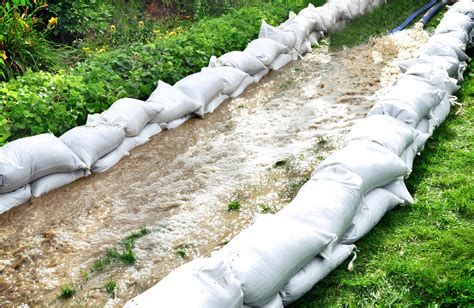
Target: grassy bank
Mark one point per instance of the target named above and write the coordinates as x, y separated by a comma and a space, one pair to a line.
420, 254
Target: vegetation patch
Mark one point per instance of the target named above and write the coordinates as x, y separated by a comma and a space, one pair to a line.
234, 206
66, 292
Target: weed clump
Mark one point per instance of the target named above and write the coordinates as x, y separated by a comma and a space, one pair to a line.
234, 206
66, 292
110, 287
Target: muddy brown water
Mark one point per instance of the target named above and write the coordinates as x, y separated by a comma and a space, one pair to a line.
179, 184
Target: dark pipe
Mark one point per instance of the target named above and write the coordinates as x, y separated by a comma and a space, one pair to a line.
413, 16
435, 9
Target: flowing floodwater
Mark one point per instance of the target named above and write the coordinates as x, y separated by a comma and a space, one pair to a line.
180, 183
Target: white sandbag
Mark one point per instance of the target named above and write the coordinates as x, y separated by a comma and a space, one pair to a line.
310, 12
267, 254
15, 198
54, 181
111, 159
437, 78
175, 103
439, 114
409, 100
450, 65
327, 16
328, 201
314, 37
266, 50
175, 123
306, 48
131, 114
338, 9
298, 30
455, 21
275, 302
399, 189
440, 49
424, 126
449, 40
376, 165
281, 61
215, 103
238, 59
202, 87
408, 156
287, 39
374, 206
91, 142
235, 80
207, 283
466, 8
385, 130
313, 272
25, 160
258, 76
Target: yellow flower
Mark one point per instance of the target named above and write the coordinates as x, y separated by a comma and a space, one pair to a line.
112, 28
52, 21
4, 55
141, 24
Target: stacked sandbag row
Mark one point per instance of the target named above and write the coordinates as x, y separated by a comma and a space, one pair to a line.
282, 256
33, 166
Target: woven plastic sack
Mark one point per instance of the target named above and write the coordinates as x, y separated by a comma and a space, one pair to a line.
449, 40
91, 142
174, 102
14, 198
384, 130
238, 59
328, 201
203, 282
267, 254
313, 272
450, 65
111, 159
280, 62
131, 114
287, 39
235, 80
266, 50
399, 189
258, 76
327, 16
453, 22
216, 102
202, 87
376, 165
54, 181
441, 49
374, 206
408, 156
298, 30
310, 12
463, 7
25, 160
275, 302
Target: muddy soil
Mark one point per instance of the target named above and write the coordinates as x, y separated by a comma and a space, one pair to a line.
180, 183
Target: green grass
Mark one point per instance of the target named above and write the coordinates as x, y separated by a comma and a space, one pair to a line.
66, 292
110, 287
234, 206
420, 254
379, 21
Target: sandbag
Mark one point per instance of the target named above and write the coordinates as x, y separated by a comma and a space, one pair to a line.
399, 189
424, 126
376, 165
449, 40
287, 39
15, 198
440, 49
91, 142
264, 256
313, 272
310, 12
275, 302
328, 201
281, 61
56, 180
450, 65
314, 37
455, 21
175, 123
384, 130
238, 59
25, 160
327, 16
111, 159
266, 50
235, 80
131, 114
466, 8
298, 30
216, 102
440, 113
408, 156
373, 207
207, 283
437, 78
174, 102
258, 76
202, 87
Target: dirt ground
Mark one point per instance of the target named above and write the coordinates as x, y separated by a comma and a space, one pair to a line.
180, 183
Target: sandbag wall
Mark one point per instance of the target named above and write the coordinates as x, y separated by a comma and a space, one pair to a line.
33, 166
281, 256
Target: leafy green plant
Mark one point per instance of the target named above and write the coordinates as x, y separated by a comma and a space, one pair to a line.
234, 206
23, 44
265, 208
